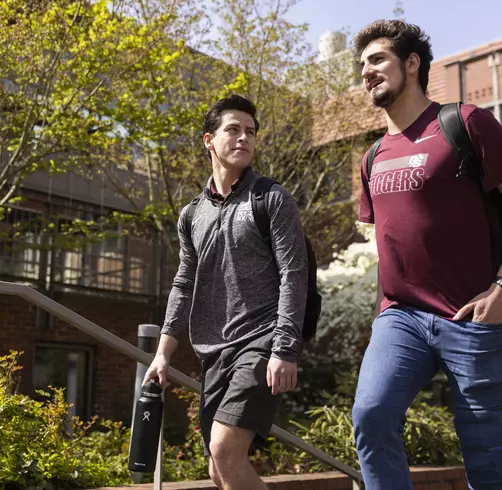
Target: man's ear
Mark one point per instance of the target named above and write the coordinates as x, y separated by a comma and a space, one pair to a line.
208, 141
413, 63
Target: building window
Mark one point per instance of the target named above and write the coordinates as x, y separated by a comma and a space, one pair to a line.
115, 263
30, 249
67, 366
20, 243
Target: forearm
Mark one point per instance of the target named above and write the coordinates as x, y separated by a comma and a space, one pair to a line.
178, 307
290, 252
167, 345
290, 316
292, 302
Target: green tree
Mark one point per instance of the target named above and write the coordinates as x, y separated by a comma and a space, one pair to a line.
255, 52
117, 91
303, 100
61, 64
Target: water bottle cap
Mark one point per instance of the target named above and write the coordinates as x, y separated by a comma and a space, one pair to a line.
152, 389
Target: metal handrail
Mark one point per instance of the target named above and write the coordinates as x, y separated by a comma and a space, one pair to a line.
37, 298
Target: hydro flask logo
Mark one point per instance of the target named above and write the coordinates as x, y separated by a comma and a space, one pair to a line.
146, 416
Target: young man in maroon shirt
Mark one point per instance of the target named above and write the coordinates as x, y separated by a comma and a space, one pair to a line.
439, 304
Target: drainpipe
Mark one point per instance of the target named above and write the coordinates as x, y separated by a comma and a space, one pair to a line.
494, 63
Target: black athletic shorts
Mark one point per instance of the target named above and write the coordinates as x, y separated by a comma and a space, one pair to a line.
235, 392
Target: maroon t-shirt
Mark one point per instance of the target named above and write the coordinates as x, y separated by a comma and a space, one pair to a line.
432, 233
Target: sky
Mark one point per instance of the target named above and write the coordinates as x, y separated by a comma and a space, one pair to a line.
453, 25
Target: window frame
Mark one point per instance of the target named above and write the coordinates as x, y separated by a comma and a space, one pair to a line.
89, 349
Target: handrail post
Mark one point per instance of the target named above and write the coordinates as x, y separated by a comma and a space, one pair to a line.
157, 476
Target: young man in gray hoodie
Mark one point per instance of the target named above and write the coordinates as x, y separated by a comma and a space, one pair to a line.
243, 299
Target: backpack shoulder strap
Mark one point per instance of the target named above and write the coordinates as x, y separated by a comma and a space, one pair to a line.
371, 156
453, 127
188, 216
259, 192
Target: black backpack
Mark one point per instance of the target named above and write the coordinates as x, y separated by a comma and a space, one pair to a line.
258, 194
453, 127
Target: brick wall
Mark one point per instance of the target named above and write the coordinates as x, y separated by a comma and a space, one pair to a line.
424, 479
112, 373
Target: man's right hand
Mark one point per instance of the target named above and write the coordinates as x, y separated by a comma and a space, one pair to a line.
158, 369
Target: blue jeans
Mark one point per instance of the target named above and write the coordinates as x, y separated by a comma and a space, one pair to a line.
407, 348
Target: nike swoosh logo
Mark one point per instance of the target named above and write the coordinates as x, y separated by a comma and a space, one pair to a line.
419, 140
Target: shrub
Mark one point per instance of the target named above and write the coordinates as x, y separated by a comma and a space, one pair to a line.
36, 451
348, 288
429, 436
187, 462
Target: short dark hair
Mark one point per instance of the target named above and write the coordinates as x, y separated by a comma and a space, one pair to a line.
403, 38
212, 119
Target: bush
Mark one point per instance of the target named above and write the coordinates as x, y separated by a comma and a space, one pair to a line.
36, 451
429, 436
187, 462
348, 288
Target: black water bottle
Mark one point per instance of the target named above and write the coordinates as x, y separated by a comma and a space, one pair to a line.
146, 429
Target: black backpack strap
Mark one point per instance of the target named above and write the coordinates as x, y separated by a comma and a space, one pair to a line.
453, 127
259, 192
188, 216
371, 156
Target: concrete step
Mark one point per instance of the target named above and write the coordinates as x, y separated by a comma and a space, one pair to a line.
332, 480
424, 478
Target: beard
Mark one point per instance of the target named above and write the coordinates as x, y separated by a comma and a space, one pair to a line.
385, 98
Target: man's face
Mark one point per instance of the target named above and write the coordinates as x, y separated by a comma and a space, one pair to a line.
383, 72
234, 141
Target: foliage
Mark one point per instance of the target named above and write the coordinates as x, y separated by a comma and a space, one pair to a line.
115, 92
429, 436
62, 64
348, 289
36, 451
78, 91
187, 462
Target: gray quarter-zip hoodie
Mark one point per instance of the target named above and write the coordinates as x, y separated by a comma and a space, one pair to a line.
230, 287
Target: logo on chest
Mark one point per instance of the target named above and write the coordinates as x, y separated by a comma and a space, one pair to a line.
399, 174
244, 212
243, 215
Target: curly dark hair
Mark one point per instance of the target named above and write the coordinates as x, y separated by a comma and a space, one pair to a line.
403, 38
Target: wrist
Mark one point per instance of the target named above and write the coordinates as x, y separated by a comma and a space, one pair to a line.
281, 356
496, 289
163, 356
498, 280
497, 283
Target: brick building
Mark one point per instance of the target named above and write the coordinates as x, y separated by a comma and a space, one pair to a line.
118, 283
473, 76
